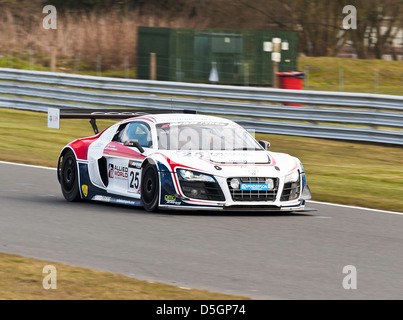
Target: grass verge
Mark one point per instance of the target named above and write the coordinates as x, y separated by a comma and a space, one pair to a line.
348, 173
22, 279
352, 75
359, 174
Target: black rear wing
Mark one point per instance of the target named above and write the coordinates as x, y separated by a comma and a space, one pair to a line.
54, 115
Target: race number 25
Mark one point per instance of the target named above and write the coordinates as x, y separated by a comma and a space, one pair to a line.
134, 180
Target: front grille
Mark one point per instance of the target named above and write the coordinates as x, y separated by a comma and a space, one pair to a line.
253, 195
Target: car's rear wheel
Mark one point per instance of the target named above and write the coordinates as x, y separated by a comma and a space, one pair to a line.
150, 187
69, 177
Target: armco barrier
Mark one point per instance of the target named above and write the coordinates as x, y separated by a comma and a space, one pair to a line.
335, 115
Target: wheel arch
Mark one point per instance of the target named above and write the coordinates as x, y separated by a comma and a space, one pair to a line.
59, 161
74, 193
149, 161
154, 204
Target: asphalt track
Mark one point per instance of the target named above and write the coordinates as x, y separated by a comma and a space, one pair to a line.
263, 256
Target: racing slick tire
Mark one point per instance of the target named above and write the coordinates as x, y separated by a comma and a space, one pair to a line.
150, 187
69, 177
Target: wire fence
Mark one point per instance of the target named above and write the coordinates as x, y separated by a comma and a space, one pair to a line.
229, 71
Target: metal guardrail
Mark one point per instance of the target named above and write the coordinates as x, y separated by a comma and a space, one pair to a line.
335, 115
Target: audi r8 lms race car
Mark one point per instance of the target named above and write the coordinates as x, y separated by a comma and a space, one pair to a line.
181, 161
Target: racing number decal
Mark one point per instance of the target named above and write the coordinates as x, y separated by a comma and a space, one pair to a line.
134, 176
134, 180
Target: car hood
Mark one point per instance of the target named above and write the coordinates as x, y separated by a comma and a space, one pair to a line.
233, 163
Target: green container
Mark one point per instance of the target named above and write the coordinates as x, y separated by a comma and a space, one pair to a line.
213, 56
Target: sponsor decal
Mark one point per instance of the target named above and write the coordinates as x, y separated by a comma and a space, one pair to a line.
111, 172
101, 198
196, 123
114, 200
170, 199
134, 164
118, 172
84, 188
254, 187
122, 201
111, 147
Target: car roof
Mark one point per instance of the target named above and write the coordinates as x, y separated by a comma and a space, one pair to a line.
180, 117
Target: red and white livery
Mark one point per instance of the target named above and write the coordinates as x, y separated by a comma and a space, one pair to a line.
181, 161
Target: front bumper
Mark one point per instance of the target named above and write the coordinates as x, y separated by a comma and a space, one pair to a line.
276, 201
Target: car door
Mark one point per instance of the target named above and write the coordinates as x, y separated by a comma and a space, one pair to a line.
123, 162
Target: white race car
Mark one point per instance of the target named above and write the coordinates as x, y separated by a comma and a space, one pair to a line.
181, 161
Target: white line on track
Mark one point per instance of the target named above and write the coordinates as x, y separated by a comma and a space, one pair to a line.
353, 207
310, 201
27, 165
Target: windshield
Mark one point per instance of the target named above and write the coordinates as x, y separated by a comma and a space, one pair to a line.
204, 135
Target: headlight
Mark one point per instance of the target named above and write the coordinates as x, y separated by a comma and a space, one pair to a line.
292, 186
270, 183
292, 177
234, 183
189, 175
198, 185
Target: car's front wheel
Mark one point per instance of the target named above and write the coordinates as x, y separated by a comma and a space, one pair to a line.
150, 187
69, 177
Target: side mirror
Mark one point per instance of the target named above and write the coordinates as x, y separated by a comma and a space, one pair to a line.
134, 144
264, 144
